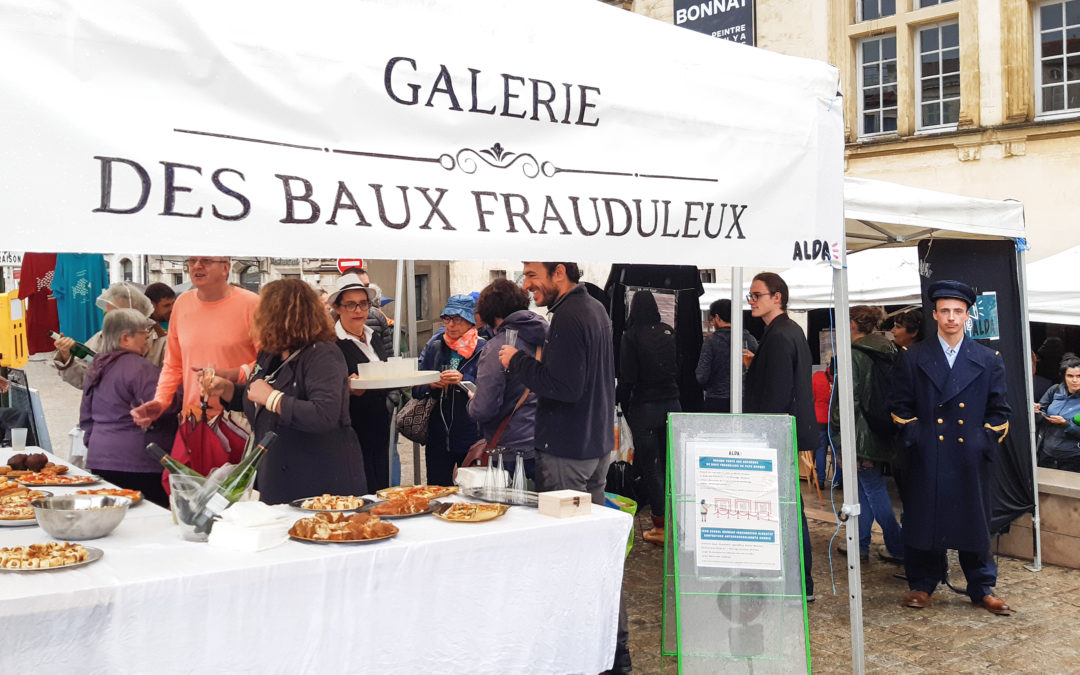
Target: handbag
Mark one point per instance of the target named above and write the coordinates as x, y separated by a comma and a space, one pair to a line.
412, 419
478, 451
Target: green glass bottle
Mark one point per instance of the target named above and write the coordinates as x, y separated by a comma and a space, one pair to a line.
78, 350
171, 465
234, 485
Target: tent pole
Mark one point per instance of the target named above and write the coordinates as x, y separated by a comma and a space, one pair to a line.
736, 340
410, 293
846, 401
395, 349
1021, 278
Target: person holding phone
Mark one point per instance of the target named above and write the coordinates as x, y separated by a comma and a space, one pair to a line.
454, 350
1060, 444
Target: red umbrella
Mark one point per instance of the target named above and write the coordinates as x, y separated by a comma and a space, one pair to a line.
205, 444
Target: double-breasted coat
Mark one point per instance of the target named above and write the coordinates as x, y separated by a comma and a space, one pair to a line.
951, 420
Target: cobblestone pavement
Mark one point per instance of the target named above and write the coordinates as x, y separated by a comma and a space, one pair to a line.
950, 636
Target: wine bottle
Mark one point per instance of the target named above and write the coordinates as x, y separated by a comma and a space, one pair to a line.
171, 465
78, 350
234, 485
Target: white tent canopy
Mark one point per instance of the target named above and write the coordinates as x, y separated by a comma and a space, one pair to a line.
878, 213
408, 129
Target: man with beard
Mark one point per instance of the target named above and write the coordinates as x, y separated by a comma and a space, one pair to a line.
575, 389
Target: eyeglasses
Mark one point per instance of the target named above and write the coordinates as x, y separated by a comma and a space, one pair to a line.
454, 318
753, 297
353, 306
205, 262
149, 330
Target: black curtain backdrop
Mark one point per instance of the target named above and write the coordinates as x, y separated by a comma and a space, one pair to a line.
991, 266
686, 282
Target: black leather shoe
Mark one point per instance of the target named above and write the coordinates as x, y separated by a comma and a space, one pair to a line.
622, 664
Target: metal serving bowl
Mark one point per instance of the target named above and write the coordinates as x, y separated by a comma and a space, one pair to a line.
80, 516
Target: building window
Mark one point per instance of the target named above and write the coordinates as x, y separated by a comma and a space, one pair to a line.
497, 274
177, 278
1057, 53
707, 276
877, 85
125, 269
250, 278
937, 76
931, 3
875, 9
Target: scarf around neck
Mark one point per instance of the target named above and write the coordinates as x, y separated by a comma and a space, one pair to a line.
464, 345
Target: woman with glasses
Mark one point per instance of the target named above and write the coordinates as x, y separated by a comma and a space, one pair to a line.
121, 295
119, 379
299, 390
352, 302
454, 350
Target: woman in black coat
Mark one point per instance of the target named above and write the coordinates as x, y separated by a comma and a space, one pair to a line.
298, 389
359, 343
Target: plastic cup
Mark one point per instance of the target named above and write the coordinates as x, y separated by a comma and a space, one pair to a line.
18, 439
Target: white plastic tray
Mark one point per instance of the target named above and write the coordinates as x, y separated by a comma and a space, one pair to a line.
414, 380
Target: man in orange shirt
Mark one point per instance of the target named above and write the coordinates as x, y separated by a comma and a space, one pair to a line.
210, 327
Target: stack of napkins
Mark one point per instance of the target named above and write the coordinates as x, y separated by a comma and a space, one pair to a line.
469, 477
251, 526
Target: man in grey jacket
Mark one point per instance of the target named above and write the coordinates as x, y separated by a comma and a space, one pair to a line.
714, 365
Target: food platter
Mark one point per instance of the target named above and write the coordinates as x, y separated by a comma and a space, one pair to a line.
505, 496
92, 556
469, 513
425, 491
391, 516
307, 540
416, 379
338, 528
299, 504
23, 522
136, 496
57, 481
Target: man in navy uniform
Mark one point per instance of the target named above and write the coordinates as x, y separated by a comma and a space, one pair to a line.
950, 406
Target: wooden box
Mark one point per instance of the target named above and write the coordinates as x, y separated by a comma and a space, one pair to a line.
565, 503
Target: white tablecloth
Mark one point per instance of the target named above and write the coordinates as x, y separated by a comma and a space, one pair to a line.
521, 594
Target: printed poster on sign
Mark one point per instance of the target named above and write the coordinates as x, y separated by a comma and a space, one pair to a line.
738, 503
982, 323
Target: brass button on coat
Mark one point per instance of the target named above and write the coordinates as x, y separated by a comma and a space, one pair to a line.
959, 440
941, 438
959, 421
940, 421
961, 405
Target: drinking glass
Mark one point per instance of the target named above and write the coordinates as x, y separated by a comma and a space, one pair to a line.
500, 477
511, 340
18, 439
519, 478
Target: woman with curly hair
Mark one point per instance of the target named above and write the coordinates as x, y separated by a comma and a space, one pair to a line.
299, 390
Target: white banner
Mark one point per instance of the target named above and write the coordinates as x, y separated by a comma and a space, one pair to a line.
410, 129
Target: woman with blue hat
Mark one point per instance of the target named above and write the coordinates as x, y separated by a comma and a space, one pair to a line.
454, 350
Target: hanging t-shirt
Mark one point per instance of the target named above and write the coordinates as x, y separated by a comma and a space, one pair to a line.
35, 279
78, 281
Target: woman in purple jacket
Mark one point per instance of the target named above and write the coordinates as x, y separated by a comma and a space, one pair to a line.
119, 379
502, 306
